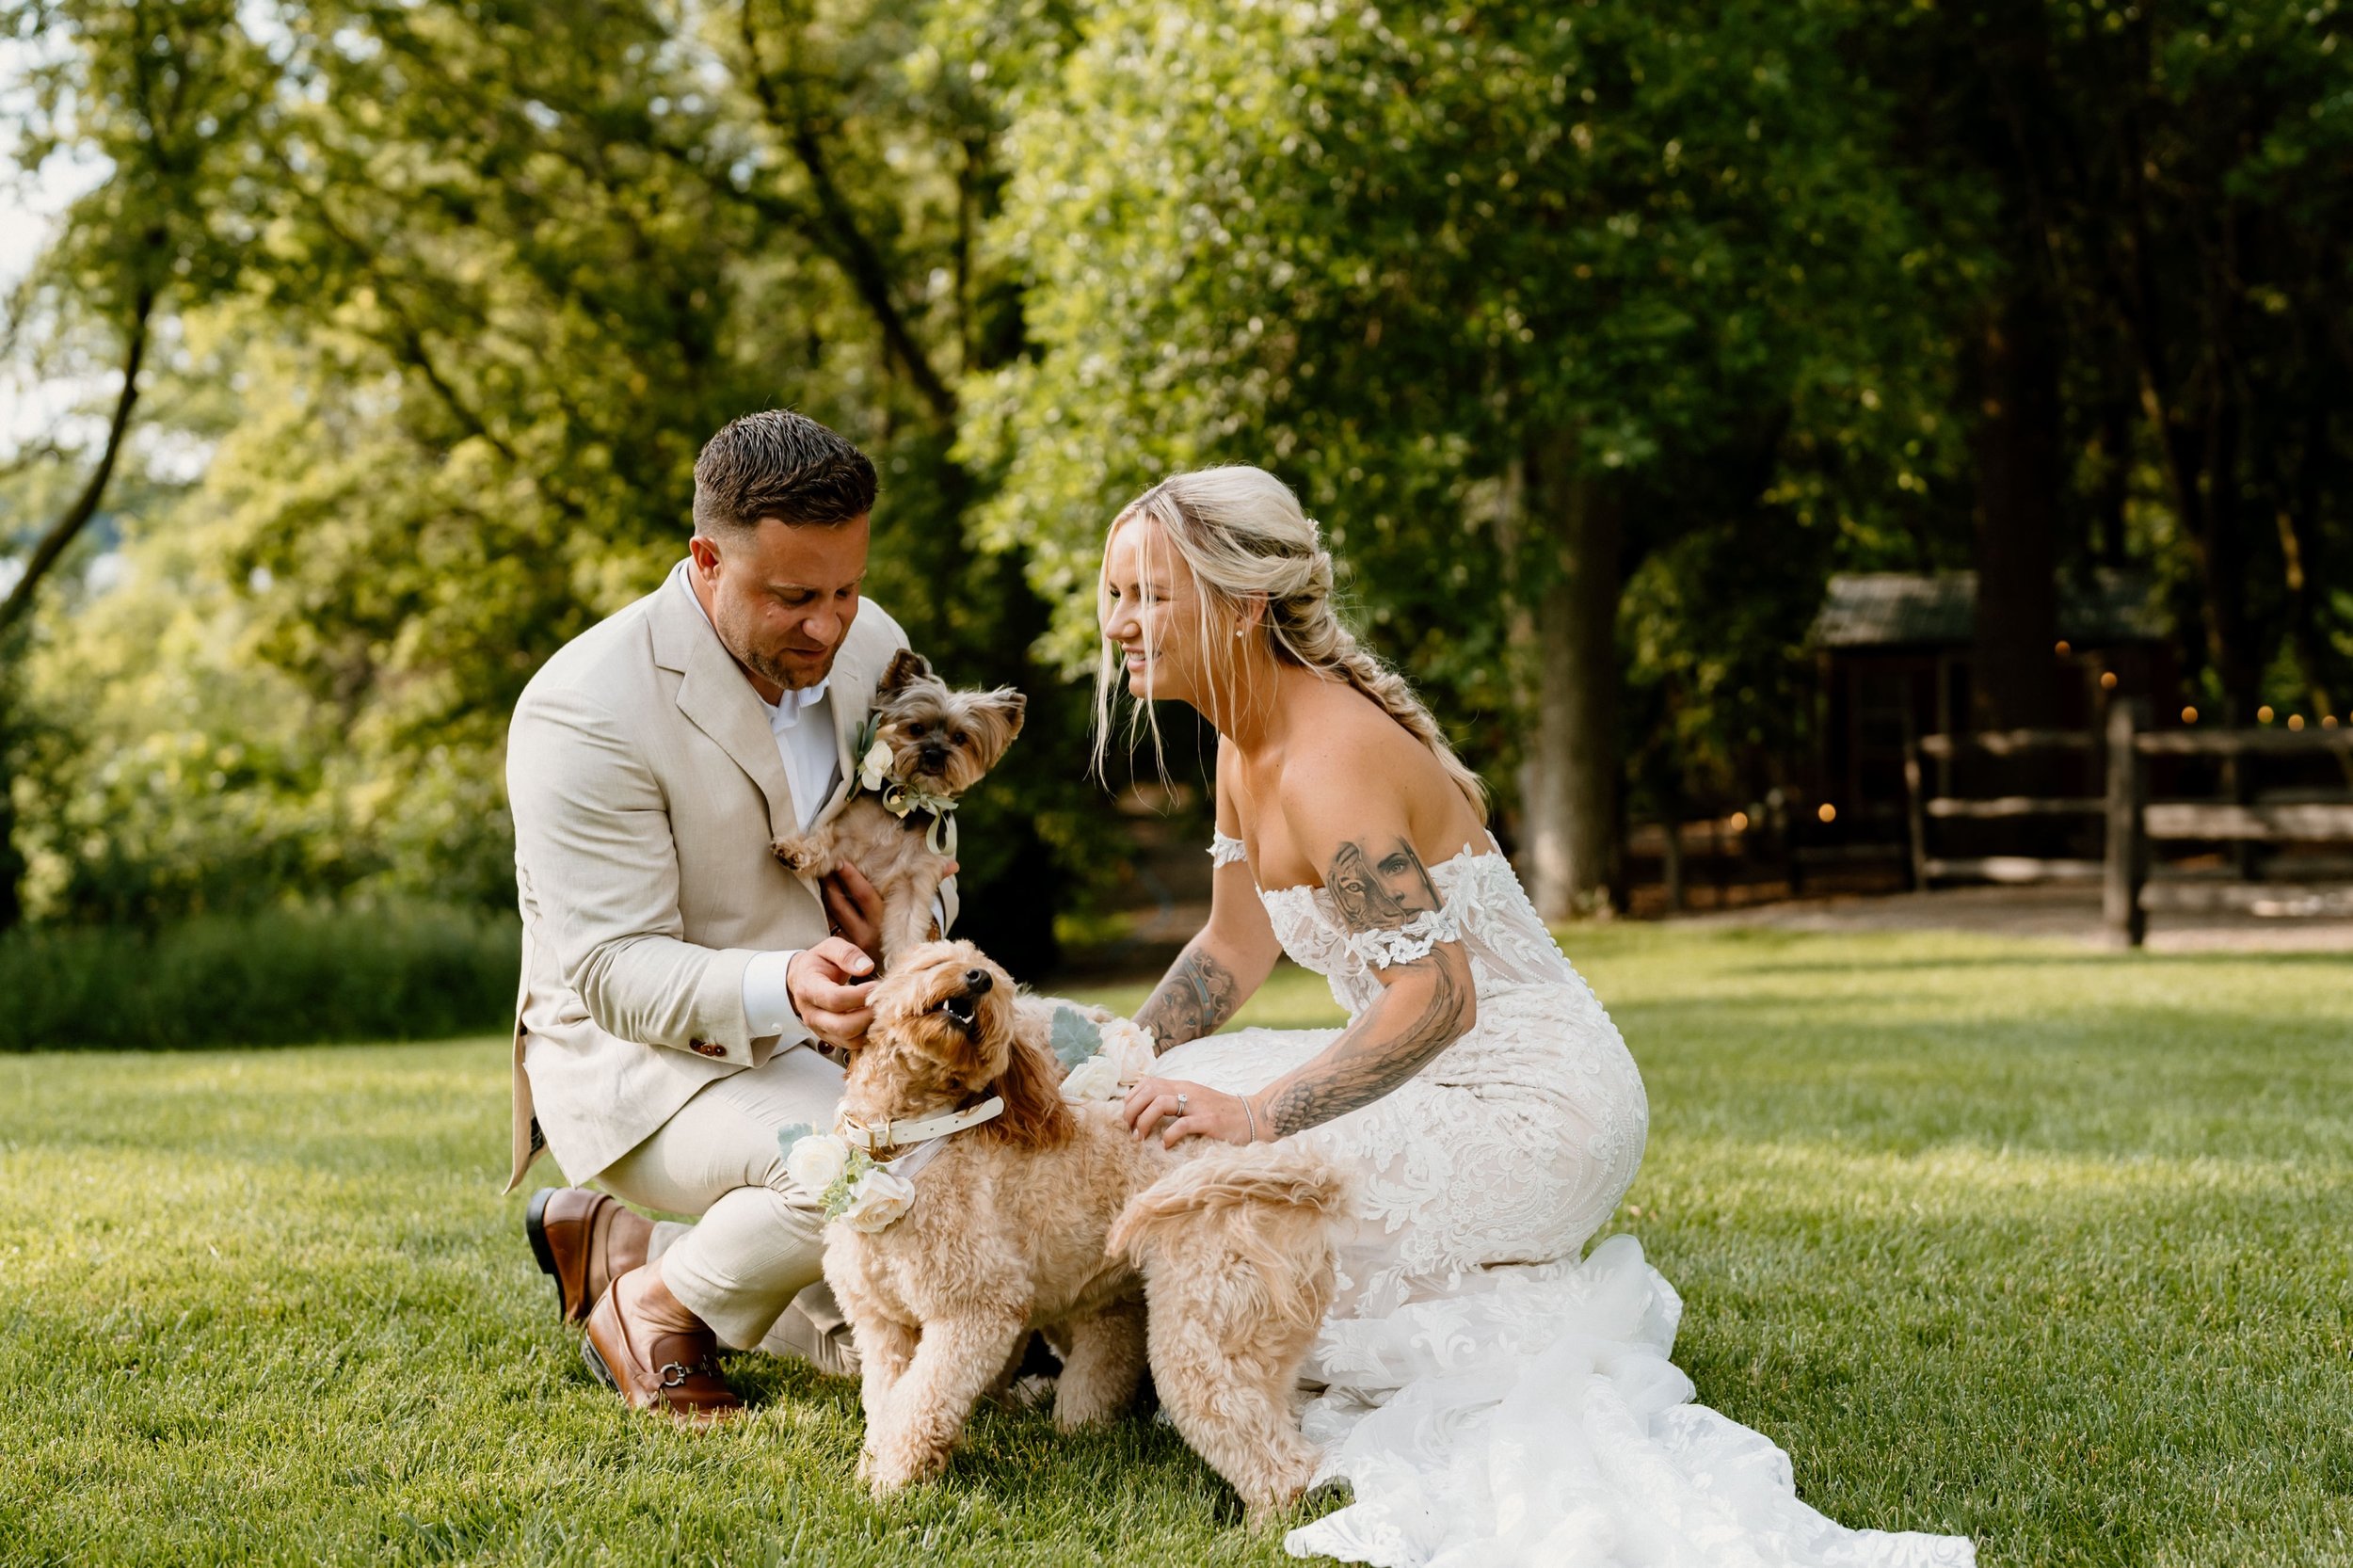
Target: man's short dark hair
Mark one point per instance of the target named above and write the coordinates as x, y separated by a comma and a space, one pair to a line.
781, 465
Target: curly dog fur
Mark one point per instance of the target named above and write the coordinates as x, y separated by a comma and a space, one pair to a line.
1053, 1216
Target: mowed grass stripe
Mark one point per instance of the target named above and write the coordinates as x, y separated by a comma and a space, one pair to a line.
2043, 1245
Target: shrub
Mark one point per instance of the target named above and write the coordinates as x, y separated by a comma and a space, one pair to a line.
284, 977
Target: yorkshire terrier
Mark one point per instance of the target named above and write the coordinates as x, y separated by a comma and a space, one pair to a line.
926, 744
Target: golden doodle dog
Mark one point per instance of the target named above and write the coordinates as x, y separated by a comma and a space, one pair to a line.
928, 744
1051, 1216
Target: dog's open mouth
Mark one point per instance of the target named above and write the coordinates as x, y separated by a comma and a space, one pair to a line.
962, 1007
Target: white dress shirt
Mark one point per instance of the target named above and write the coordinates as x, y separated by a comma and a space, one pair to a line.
803, 726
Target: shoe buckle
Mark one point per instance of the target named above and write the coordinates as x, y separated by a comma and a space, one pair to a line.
675, 1373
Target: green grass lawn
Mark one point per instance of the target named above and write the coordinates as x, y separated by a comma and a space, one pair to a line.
2041, 1245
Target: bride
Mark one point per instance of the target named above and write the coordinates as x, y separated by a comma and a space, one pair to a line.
1492, 1398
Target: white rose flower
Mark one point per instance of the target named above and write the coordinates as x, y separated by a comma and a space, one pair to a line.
816, 1161
875, 765
878, 1200
1095, 1078
1129, 1043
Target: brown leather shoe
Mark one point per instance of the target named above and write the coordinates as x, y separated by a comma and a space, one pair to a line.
657, 1370
583, 1239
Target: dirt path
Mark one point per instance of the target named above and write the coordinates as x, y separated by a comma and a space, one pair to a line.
2071, 912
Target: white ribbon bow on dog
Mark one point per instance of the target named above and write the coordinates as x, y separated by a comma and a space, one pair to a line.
898, 797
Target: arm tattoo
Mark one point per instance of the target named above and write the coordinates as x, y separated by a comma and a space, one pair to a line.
1382, 1048
1194, 999
1378, 1053
1377, 895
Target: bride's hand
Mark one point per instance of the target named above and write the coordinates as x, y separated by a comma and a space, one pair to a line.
1180, 1110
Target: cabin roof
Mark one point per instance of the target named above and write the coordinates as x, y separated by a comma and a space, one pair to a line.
1914, 609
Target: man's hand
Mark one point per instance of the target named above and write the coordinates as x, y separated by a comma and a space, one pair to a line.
829, 984
855, 911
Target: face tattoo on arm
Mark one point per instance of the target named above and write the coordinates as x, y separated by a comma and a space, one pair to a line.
1194, 999
1383, 895
1411, 1023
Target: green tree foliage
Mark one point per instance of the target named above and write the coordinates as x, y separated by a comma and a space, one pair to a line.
1598, 333
508, 265
1468, 272
2169, 190
158, 94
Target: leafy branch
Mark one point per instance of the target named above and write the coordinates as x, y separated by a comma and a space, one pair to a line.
835, 227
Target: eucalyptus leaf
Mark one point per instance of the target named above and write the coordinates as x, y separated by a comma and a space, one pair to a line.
1075, 1036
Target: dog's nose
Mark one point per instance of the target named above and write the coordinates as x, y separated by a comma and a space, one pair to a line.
977, 981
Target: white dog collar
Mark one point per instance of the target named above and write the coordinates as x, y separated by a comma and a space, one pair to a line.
899, 1135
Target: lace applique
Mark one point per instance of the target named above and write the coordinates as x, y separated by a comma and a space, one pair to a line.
1405, 943
1224, 850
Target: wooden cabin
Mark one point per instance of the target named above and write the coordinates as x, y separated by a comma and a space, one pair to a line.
1893, 656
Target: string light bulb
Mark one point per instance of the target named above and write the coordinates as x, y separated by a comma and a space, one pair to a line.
2189, 716
2262, 714
1740, 819
2296, 720
2108, 681
2063, 649
1825, 811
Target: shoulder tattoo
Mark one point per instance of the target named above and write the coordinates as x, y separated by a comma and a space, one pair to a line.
1377, 891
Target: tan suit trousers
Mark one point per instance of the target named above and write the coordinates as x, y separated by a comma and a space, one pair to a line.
751, 1266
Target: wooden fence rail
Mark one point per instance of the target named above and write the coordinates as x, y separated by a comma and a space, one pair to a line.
2134, 822
1928, 869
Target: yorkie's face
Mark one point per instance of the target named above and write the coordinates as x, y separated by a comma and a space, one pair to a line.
941, 740
948, 1012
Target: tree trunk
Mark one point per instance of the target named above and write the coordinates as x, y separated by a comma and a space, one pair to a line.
2114, 468
17, 607
2306, 578
11, 862
1671, 871
1572, 815
52, 547
2206, 492
2019, 480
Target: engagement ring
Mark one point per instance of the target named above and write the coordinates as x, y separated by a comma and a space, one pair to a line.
1181, 1105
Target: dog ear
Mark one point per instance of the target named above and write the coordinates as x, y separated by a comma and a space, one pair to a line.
1012, 706
1036, 1117
906, 667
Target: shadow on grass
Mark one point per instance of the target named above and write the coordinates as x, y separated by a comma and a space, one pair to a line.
1016, 1452
2088, 959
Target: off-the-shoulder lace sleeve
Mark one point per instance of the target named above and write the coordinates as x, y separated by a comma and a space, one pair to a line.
1224, 850
1414, 939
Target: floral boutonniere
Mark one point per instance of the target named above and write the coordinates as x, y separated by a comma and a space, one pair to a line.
848, 1182
873, 757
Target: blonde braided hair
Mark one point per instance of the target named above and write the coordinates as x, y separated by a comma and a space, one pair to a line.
1243, 535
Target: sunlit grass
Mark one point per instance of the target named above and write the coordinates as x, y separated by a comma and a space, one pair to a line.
2037, 1244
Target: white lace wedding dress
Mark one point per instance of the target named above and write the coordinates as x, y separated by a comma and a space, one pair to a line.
1493, 1399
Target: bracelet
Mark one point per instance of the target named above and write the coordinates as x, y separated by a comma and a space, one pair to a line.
1250, 1116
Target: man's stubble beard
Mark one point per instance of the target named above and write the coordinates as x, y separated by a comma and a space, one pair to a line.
732, 639
778, 673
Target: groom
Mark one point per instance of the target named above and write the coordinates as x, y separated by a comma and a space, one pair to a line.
677, 981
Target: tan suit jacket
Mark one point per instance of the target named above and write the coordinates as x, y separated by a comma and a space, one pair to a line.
647, 788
